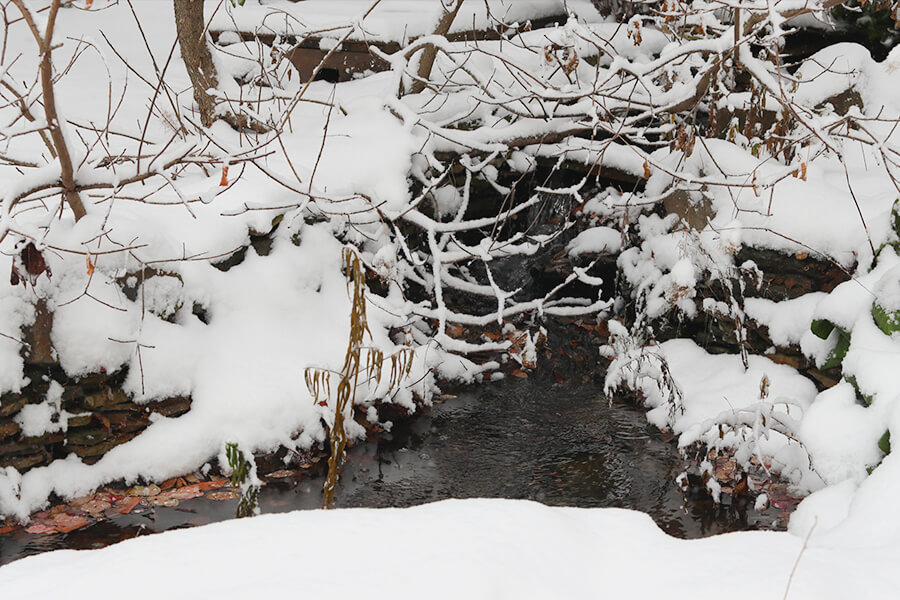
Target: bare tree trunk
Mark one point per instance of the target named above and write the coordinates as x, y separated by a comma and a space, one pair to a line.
430, 52
45, 45
191, 28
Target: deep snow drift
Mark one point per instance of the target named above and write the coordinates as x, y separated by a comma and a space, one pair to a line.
460, 549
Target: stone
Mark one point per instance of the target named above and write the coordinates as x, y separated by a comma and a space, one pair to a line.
98, 450
787, 276
8, 428
22, 463
86, 437
126, 421
45, 439
843, 101
73, 399
79, 420
171, 407
104, 398
17, 447
11, 404
92, 380
694, 212
40, 348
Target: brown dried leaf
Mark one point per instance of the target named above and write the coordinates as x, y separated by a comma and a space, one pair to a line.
41, 528
283, 473
223, 495
64, 523
144, 490
126, 505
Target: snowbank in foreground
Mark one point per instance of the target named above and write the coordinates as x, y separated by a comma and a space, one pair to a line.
457, 549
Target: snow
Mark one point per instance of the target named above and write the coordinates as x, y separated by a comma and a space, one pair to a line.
269, 318
394, 20
46, 417
347, 155
787, 321
596, 240
461, 548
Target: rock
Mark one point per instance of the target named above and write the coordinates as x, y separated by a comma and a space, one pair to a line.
47, 438
92, 381
126, 421
104, 398
98, 450
843, 101
24, 462
86, 437
8, 428
79, 420
40, 349
73, 399
694, 212
787, 276
171, 407
10, 404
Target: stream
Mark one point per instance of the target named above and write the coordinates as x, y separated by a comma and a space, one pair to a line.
536, 439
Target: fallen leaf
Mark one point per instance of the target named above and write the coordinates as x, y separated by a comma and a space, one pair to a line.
223, 495
281, 474
164, 499
167, 484
212, 485
64, 523
95, 507
110, 497
186, 492
8, 528
144, 490
224, 180
40, 528
126, 505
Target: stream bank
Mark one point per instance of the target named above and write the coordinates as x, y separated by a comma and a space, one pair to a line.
548, 435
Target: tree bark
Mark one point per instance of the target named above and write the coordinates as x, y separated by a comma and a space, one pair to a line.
191, 28
45, 44
430, 52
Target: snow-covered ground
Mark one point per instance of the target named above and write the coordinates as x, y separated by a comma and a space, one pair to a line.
272, 316
490, 549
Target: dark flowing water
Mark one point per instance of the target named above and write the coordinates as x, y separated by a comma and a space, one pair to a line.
553, 443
